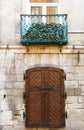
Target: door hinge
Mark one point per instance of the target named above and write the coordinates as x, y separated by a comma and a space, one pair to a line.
64, 95
25, 76
64, 76
25, 115
65, 114
25, 95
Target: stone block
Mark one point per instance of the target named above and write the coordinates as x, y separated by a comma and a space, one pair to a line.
80, 77
4, 106
82, 90
8, 122
75, 106
75, 77
2, 92
77, 91
81, 99
19, 78
17, 71
77, 124
9, 64
6, 115
2, 78
19, 56
2, 71
81, 82
69, 69
20, 64
19, 84
10, 78
66, 60
18, 103
32, 59
8, 127
9, 85
72, 99
79, 69
2, 84
70, 91
20, 128
18, 92
71, 84
70, 77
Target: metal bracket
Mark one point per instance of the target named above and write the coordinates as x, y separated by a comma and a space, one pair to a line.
60, 48
64, 76
25, 95
25, 115
78, 57
65, 114
24, 76
4, 95
65, 95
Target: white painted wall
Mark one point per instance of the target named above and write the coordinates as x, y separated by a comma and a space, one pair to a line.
74, 9
10, 20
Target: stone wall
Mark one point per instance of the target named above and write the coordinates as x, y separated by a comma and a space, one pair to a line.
15, 59
14, 62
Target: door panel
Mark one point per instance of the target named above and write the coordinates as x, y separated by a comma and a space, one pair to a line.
55, 108
35, 78
34, 107
54, 78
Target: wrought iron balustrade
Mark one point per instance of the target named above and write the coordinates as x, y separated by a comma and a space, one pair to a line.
43, 29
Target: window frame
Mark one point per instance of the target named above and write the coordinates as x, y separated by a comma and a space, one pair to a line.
43, 6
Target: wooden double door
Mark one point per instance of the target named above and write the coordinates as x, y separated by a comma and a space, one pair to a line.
44, 97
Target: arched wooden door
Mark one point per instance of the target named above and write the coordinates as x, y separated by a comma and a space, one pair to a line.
44, 98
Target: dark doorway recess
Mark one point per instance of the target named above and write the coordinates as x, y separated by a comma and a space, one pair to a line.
44, 97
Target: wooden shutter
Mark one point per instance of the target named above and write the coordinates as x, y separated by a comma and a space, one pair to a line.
34, 83
56, 100
45, 104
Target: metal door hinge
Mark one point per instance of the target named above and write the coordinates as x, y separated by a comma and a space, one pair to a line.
25, 115
25, 95
25, 76
65, 114
64, 95
64, 76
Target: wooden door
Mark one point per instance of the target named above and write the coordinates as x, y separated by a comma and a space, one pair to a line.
45, 104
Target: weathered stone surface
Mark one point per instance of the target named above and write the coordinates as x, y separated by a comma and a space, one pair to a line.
71, 84
81, 99
9, 84
20, 78
19, 84
19, 56
10, 78
72, 99
70, 91
8, 128
77, 91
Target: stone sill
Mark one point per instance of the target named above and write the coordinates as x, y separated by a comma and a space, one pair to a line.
45, 48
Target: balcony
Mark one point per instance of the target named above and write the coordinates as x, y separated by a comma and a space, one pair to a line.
43, 29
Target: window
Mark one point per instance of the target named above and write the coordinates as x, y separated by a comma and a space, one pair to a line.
45, 101
43, 7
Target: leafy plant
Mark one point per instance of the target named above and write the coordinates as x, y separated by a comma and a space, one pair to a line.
44, 33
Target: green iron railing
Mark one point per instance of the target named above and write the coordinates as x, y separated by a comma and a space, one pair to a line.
43, 29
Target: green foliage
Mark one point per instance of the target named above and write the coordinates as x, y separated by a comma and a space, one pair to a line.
47, 33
